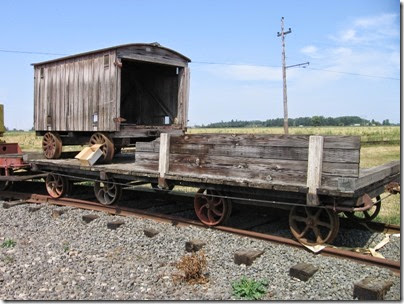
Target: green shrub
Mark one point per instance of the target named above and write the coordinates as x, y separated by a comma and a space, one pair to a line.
249, 289
8, 243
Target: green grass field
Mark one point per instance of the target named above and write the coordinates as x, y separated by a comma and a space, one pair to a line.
379, 145
387, 134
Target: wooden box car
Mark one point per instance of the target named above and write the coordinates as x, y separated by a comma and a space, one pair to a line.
114, 97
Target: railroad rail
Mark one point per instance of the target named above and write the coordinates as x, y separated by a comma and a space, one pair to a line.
177, 220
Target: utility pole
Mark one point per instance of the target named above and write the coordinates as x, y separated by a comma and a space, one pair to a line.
285, 97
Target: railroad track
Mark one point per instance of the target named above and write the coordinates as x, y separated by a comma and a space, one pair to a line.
171, 207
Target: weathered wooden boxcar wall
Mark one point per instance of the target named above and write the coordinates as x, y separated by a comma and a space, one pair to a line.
68, 93
183, 96
263, 160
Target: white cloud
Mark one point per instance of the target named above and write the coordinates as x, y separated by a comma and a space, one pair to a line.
361, 48
348, 35
309, 50
376, 21
370, 30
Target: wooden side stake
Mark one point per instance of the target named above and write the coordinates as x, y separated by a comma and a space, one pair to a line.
314, 169
164, 157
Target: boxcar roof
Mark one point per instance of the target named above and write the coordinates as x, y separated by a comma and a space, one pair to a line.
154, 44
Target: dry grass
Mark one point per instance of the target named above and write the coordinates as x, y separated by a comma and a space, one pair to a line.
390, 211
368, 134
29, 142
192, 267
372, 156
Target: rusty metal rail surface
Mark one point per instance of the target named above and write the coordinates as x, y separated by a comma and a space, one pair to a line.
175, 220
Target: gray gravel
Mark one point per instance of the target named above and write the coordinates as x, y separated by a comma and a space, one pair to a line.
65, 259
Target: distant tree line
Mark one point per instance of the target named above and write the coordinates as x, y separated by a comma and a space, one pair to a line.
314, 121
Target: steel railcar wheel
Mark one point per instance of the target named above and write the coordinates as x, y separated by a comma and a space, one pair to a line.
211, 209
57, 186
51, 145
5, 185
313, 226
367, 215
107, 192
107, 148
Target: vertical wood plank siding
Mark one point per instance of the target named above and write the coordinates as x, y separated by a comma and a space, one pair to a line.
183, 96
72, 90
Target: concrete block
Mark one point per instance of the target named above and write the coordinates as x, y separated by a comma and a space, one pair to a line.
34, 208
57, 212
150, 232
7, 205
302, 271
246, 256
115, 225
194, 245
371, 289
89, 218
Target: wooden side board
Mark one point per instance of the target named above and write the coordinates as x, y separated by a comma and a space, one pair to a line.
262, 159
251, 174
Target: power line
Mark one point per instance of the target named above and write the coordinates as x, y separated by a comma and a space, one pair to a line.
311, 68
216, 63
237, 64
355, 74
28, 52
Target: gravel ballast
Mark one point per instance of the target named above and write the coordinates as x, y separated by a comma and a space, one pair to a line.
65, 258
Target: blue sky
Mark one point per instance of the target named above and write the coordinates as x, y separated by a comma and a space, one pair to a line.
235, 52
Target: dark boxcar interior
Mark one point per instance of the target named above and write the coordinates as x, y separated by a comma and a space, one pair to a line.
149, 93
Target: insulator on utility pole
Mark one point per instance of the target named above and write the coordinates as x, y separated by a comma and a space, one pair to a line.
285, 97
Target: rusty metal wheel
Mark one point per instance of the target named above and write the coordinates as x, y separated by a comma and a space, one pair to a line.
5, 185
107, 192
367, 215
211, 210
107, 147
313, 226
51, 145
56, 185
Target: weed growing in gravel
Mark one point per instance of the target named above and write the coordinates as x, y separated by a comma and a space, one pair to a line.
66, 247
8, 259
9, 243
249, 289
193, 267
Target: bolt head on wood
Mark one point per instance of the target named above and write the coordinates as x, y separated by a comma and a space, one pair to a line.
115, 225
194, 245
371, 289
303, 271
246, 256
150, 232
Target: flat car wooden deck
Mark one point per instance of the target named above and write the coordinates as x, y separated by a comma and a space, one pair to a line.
316, 177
